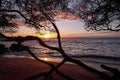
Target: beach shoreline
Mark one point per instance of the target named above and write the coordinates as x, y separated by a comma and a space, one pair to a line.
23, 68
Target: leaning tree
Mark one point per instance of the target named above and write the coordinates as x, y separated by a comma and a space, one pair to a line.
42, 14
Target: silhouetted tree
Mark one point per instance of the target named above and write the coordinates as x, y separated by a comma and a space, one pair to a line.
41, 13
99, 14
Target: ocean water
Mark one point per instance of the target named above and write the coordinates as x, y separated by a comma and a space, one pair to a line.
89, 50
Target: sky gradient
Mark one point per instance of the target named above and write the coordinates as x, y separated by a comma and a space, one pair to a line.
76, 28
68, 28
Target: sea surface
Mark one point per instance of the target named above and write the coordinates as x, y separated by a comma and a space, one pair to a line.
89, 50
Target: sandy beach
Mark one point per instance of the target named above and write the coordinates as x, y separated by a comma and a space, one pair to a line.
23, 68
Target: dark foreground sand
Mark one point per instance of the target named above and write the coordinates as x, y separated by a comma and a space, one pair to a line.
23, 68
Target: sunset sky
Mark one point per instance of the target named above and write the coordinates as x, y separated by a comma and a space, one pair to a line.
68, 24
68, 28
75, 28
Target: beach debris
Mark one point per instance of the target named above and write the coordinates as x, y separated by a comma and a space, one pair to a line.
2, 48
114, 71
18, 48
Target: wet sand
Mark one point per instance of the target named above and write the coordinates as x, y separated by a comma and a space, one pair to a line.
23, 68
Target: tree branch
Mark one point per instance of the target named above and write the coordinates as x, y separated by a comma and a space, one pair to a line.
4, 10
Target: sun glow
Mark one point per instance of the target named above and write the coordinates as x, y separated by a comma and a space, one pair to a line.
48, 35
46, 59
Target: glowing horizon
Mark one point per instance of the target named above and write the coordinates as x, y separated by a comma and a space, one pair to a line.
48, 34
71, 28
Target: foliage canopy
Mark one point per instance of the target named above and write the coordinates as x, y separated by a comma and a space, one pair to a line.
99, 14
35, 13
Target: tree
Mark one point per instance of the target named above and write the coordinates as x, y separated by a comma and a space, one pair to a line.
99, 15
36, 13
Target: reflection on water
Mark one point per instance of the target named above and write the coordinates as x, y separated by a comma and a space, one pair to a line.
46, 50
46, 39
51, 59
103, 49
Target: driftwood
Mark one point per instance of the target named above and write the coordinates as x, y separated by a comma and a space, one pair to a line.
2, 48
114, 71
18, 47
